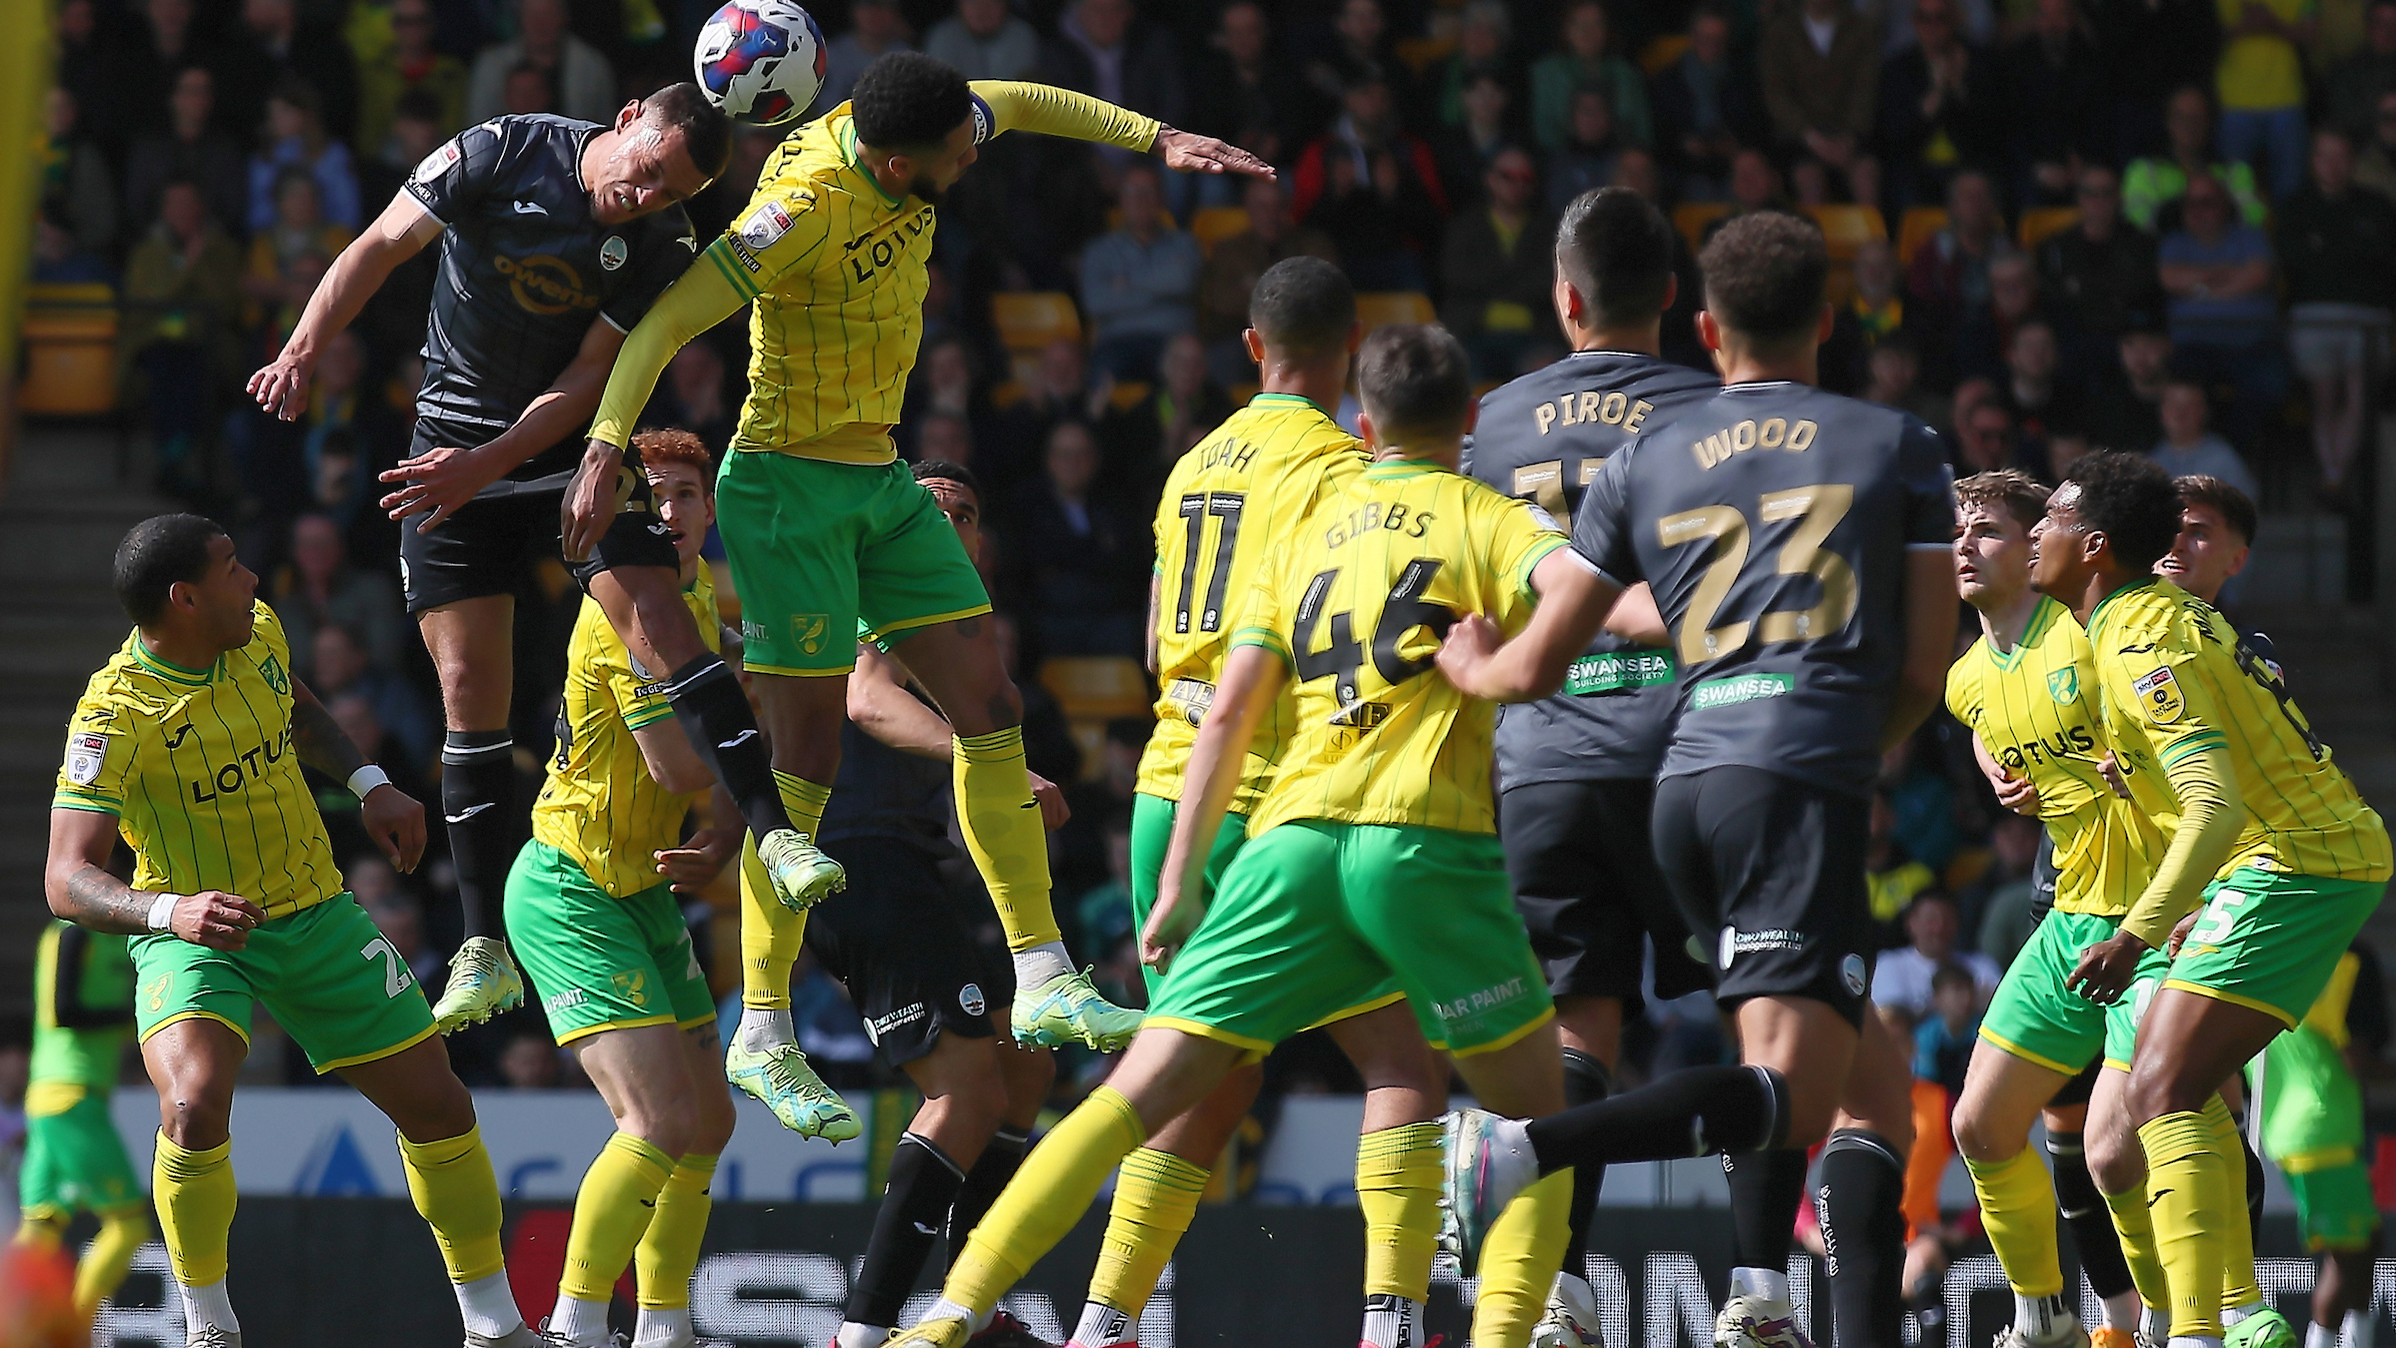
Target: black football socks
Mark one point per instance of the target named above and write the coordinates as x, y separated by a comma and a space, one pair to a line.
1689, 1113
1586, 1081
714, 711
923, 1183
1860, 1204
1001, 1158
478, 777
2084, 1211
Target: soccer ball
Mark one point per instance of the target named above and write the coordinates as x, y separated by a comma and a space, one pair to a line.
761, 61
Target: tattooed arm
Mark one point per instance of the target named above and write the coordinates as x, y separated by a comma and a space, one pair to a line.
392, 818
82, 891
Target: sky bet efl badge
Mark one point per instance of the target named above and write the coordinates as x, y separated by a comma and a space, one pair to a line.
2159, 693
87, 753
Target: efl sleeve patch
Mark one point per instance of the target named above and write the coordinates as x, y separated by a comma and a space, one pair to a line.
2159, 695
87, 755
764, 226
440, 161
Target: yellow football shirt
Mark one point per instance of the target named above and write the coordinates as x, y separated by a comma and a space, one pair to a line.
2175, 680
835, 266
1228, 501
198, 767
2035, 709
1356, 602
599, 805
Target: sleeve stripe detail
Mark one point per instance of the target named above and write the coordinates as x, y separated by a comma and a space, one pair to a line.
637, 720
1264, 640
2193, 745
89, 804
732, 273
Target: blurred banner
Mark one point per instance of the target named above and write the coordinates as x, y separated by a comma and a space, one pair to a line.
774, 1276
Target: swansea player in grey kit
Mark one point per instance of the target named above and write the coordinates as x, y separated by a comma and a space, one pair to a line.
1797, 543
1577, 770
556, 236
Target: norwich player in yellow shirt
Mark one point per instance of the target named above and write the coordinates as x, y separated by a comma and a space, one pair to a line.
2027, 690
1372, 861
1226, 505
189, 743
2274, 863
594, 903
824, 529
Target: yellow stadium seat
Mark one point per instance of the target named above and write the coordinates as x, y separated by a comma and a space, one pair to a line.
1662, 52
1692, 217
1847, 228
1127, 394
1090, 738
1215, 224
1030, 320
1096, 687
1380, 308
2041, 223
70, 350
1916, 229
1114, 218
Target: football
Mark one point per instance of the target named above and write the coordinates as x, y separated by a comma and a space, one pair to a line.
761, 61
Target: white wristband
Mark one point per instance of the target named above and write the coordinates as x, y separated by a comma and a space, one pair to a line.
162, 909
367, 779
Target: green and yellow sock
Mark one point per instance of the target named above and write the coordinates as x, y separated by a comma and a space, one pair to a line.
2188, 1180
2017, 1206
195, 1197
1004, 833
770, 934
1519, 1260
2240, 1287
669, 1252
1398, 1174
458, 1197
2136, 1227
1047, 1196
612, 1213
102, 1268
1156, 1195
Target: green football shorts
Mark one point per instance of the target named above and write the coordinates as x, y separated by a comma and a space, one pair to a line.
2271, 941
1151, 835
2313, 1131
598, 962
1316, 921
818, 547
75, 1162
2121, 1018
326, 974
2033, 1016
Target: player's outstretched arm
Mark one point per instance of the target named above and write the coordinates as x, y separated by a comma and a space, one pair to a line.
1044, 109
1929, 642
393, 819
396, 235
1574, 599
1252, 678
444, 478
82, 891
880, 705
1636, 617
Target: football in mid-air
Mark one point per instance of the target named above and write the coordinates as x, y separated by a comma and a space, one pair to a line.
761, 61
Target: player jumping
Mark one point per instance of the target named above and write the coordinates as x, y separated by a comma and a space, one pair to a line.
1576, 771
1797, 543
556, 236
189, 742
824, 529
594, 902
2274, 863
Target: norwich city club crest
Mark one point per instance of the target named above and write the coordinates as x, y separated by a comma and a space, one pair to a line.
2064, 683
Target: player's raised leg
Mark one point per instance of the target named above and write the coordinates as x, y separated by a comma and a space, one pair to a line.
763, 1057
472, 643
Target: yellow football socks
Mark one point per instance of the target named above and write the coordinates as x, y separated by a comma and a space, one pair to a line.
1398, 1176
669, 1253
195, 1196
1047, 1196
455, 1191
1519, 1261
2239, 1285
770, 934
103, 1266
612, 1212
2136, 1227
1155, 1197
1002, 829
2188, 1182
2017, 1206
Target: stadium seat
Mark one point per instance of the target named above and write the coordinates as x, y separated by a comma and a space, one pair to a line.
1215, 224
70, 350
1096, 687
1662, 52
1029, 320
1692, 217
1380, 308
1916, 229
2041, 223
1114, 218
1127, 394
1847, 228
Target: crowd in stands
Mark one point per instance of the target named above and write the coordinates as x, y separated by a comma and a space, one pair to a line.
2150, 225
